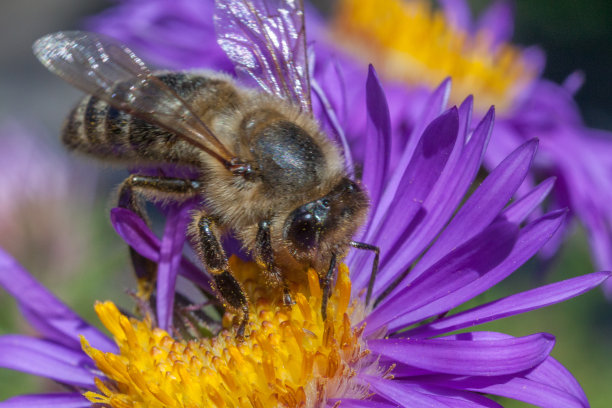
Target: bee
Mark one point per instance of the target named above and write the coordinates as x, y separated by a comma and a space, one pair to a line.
263, 168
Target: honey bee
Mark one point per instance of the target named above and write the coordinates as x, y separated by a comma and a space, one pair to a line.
264, 169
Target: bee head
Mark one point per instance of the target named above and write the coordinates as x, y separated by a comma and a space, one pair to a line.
326, 223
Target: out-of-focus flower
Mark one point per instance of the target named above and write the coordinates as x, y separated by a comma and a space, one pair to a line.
40, 194
417, 47
393, 352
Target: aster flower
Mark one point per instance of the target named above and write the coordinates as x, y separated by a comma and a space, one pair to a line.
478, 56
394, 352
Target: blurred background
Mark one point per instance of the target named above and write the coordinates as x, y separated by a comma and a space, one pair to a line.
54, 206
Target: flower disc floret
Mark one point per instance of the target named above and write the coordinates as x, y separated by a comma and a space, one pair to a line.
291, 356
395, 31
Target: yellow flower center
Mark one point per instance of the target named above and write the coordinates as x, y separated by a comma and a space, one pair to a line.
409, 41
290, 357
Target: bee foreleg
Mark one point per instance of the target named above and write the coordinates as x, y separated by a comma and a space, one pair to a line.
325, 283
132, 194
264, 256
212, 254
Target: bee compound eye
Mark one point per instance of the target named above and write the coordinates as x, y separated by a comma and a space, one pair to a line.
302, 231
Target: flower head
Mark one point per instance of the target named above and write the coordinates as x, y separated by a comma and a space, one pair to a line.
395, 351
290, 358
420, 46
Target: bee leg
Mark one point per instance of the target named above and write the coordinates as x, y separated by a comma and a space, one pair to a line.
361, 245
326, 286
213, 256
264, 256
132, 194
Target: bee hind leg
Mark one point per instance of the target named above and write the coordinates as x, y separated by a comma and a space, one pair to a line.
132, 195
213, 256
264, 256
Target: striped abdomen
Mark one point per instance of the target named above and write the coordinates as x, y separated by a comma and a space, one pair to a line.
98, 129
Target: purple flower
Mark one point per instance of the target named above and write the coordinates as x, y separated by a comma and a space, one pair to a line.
528, 106
458, 252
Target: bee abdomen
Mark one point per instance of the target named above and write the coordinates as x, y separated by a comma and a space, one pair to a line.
98, 129
83, 129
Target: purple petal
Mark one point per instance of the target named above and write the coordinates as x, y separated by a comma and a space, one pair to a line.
137, 235
574, 82
59, 400
171, 253
440, 204
172, 37
378, 137
513, 304
466, 357
550, 373
426, 165
461, 266
458, 14
530, 240
482, 206
456, 398
135, 232
354, 403
521, 208
407, 395
330, 102
518, 388
46, 361
553, 374
465, 115
60, 323
432, 109
396, 214
498, 22
51, 349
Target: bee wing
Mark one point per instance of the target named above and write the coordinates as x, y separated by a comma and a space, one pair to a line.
101, 66
266, 40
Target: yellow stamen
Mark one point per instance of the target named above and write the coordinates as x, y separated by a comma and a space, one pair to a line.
291, 357
409, 41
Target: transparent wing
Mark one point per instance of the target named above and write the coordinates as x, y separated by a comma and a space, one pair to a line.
266, 40
100, 66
